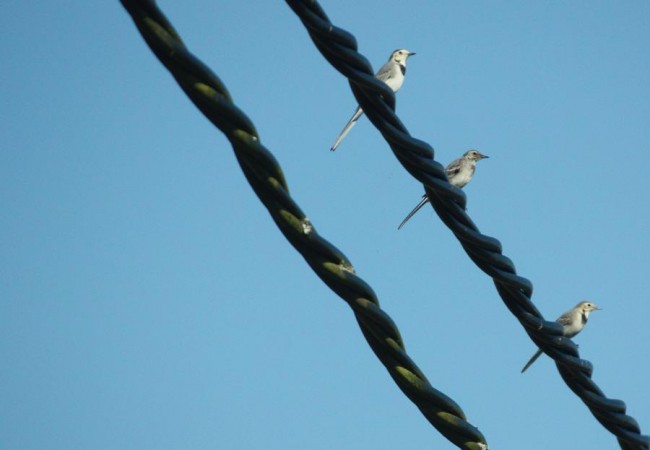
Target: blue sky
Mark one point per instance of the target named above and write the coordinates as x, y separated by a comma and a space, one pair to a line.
148, 300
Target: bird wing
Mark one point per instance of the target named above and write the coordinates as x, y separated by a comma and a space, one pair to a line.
572, 321
565, 319
423, 202
348, 126
453, 168
386, 71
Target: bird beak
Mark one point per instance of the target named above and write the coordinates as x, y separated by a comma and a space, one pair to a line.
411, 53
484, 156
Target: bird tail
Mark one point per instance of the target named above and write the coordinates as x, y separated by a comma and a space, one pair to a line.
532, 360
423, 202
352, 122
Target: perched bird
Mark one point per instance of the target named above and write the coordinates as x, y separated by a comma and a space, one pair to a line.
572, 321
459, 173
392, 73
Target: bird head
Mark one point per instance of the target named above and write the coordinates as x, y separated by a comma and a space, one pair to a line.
587, 307
474, 155
400, 56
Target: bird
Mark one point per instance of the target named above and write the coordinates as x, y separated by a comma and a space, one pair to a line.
392, 73
459, 172
572, 321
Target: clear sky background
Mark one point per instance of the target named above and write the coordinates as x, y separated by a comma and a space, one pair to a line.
147, 300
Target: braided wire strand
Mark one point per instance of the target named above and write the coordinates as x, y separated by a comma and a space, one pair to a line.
264, 174
378, 102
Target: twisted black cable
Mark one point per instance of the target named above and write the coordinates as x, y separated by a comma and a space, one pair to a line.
378, 102
210, 96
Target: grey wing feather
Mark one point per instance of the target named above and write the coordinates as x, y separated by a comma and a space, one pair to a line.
348, 126
385, 72
532, 360
564, 319
423, 202
453, 168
